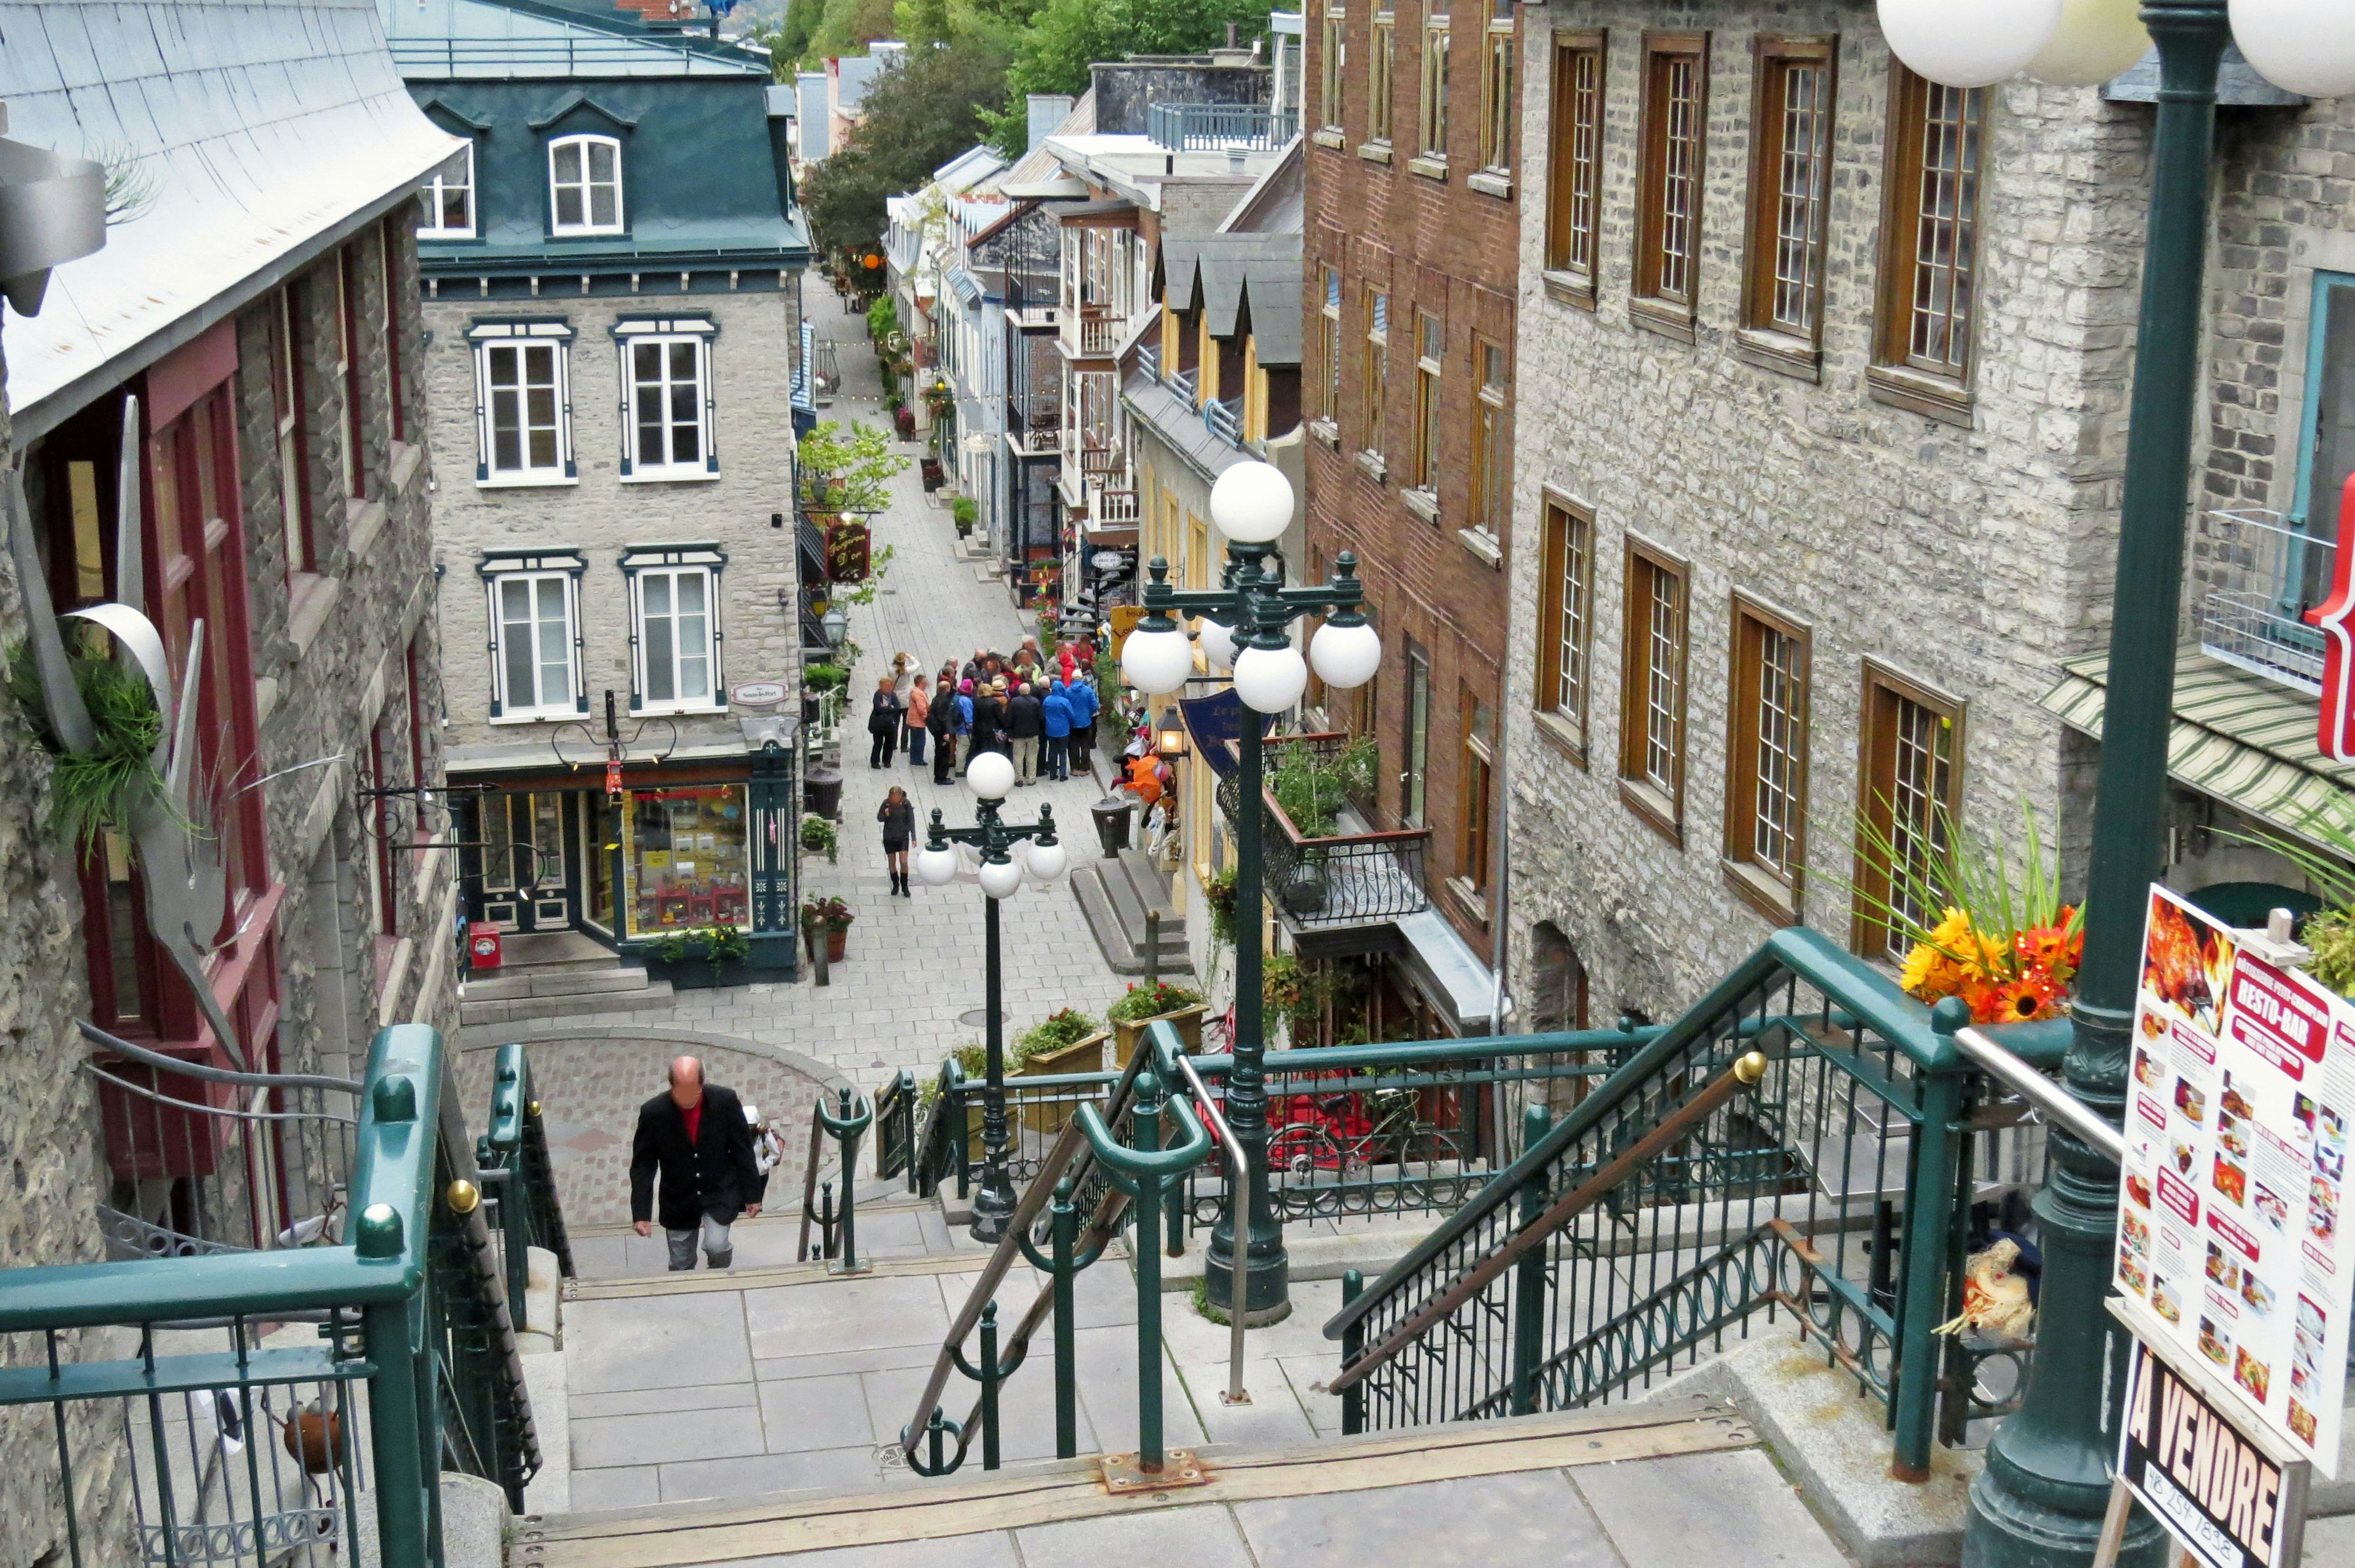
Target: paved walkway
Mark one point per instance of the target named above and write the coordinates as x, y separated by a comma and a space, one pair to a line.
915, 963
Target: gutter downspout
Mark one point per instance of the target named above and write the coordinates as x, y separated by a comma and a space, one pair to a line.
1500, 879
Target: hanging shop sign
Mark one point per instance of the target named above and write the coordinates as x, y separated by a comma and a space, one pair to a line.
2232, 1243
846, 551
2187, 1454
757, 694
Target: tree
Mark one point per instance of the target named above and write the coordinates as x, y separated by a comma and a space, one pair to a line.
848, 473
1066, 36
917, 118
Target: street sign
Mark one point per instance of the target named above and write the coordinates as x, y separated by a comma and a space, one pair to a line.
2231, 1245
758, 694
2336, 727
2185, 1455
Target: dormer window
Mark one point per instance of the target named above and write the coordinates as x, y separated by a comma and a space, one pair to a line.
447, 197
584, 184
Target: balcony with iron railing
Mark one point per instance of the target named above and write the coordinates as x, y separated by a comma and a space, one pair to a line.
1346, 877
2260, 577
1208, 127
1034, 422
1111, 500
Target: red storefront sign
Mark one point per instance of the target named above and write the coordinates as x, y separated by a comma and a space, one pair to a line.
2335, 732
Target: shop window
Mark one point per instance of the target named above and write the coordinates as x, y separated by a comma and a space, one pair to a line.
683, 850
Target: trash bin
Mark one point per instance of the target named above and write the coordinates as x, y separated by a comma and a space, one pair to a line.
1113, 814
822, 793
483, 945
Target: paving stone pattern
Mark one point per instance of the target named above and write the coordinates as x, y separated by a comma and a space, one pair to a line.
914, 963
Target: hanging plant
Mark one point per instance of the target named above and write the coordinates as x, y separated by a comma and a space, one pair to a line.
820, 834
1219, 892
103, 787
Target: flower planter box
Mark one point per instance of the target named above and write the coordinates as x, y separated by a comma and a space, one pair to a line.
1079, 1056
837, 943
693, 972
1186, 1021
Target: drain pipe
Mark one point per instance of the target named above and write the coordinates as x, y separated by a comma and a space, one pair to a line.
1500, 909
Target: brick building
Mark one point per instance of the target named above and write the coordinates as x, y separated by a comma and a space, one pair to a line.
1821, 525
612, 269
1413, 251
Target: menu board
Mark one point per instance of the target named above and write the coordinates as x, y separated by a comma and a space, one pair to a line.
2230, 1237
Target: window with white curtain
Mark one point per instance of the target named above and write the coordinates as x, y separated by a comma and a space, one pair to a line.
533, 644
523, 402
447, 198
584, 184
666, 406
675, 637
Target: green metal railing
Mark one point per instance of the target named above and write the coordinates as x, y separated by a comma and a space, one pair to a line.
520, 1181
243, 1407
1674, 1205
897, 1108
837, 1228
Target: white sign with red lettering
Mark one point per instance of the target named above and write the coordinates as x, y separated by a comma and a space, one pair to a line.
2230, 1232
2335, 732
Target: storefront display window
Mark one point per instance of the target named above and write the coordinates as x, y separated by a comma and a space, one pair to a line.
604, 837
683, 850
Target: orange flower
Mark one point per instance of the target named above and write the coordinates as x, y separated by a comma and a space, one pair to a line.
2015, 1002
2054, 950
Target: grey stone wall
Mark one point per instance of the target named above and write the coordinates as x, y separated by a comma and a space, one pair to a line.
752, 369
1972, 560
1123, 88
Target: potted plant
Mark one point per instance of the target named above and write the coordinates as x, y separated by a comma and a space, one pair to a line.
1066, 1041
831, 917
1181, 1006
964, 513
1295, 993
2007, 947
820, 835
695, 958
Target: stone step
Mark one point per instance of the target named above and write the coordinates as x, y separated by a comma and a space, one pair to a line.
1121, 949
516, 1009
1152, 885
565, 982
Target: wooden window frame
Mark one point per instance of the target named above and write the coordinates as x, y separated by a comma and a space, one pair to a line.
1896, 376
388, 267
1328, 354
1375, 347
1776, 891
433, 192
1655, 302
1575, 167
1476, 789
1382, 102
587, 184
1332, 86
1500, 63
1429, 369
1565, 616
1433, 68
1492, 492
1768, 333
1414, 741
1662, 808
1885, 692
347, 371
293, 433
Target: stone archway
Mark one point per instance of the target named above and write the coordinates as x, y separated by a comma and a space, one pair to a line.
1557, 981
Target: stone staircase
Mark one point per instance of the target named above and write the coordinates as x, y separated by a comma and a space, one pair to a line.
1114, 894
559, 974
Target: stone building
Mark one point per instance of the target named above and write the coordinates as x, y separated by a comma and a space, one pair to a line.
1412, 249
612, 272
256, 295
1818, 533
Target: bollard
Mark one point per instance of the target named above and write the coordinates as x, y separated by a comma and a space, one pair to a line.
1067, 1385
989, 1376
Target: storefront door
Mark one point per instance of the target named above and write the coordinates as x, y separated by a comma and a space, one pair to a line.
528, 880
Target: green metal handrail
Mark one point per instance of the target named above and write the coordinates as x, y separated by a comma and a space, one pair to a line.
411, 1311
512, 1155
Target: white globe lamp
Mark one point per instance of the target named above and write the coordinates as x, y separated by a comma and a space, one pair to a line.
1000, 878
1156, 661
938, 868
1968, 43
1252, 502
2300, 45
1270, 680
1219, 644
1345, 654
2096, 39
991, 776
1046, 859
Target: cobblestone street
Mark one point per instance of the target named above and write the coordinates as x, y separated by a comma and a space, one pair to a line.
914, 963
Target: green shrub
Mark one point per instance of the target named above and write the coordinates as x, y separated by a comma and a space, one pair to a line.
715, 944
818, 834
2331, 934
826, 677
1067, 1027
1152, 1001
965, 512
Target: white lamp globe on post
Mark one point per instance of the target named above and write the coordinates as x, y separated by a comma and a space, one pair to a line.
2300, 45
1345, 651
1252, 502
938, 868
2096, 39
1045, 859
1968, 43
1157, 659
1217, 642
1000, 878
992, 777
1270, 680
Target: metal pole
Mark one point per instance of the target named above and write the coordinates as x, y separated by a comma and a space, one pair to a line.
1529, 1280
849, 1146
1147, 1136
1268, 1298
989, 1386
1067, 1385
2040, 1499
993, 1201
1353, 1345
1929, 1231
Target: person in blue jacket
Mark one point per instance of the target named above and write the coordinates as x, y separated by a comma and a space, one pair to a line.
1083, 700
1057, 710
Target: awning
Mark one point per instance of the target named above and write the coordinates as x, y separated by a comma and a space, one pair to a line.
1449, 974
2237, 738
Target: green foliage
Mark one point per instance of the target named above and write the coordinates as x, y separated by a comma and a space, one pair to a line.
1152, 1001
2331, 935
965, 512
1219, 892
879, 564
826, 678
818, 834
826, 914
1065, 36
715, 944
1296, 993
847, 26
882, 318
788, 41
917, 117
1067, 1027
102, 788
848, 473
1312, 790
1964, 871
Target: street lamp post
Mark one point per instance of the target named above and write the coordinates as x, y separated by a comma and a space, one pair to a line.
992, 777
1246, 620
2038, 1503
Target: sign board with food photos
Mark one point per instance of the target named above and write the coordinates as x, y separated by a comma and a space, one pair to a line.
2232, 1243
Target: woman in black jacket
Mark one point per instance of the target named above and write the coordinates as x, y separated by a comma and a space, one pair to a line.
898, 815
988, 723
883, 724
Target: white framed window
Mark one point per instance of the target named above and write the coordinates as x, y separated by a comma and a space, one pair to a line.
666, 404
675, 633
584, 184
535, 617
523, 402
446, 200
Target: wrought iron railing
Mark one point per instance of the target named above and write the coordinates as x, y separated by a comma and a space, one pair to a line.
519, 1179
1335, 880
1673, 1209
243, 1407
897, 1108
556, 58
2263, 576
1207, 127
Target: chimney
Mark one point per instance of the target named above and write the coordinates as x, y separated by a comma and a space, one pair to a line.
1231, 35
1046, 111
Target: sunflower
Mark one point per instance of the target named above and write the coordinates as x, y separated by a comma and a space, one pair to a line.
2016, 1002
